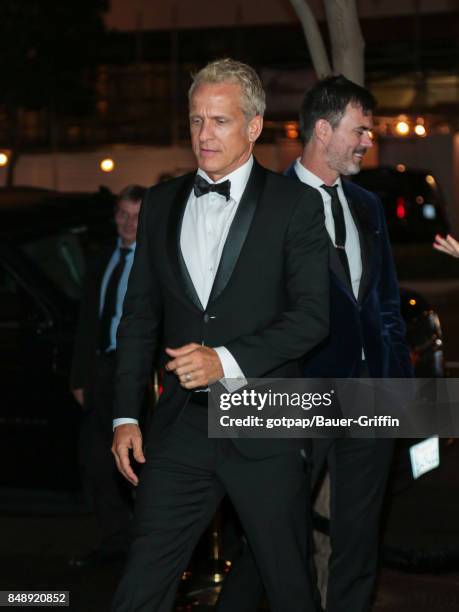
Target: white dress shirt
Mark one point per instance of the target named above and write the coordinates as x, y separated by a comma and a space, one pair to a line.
205, 226
352, 245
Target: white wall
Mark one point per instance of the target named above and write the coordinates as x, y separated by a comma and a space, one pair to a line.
142, 165
134, 164
81, 171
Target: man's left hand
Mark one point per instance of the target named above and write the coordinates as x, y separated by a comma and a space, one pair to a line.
195, 365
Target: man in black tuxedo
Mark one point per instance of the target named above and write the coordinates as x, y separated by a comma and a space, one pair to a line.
230, 280
367, 339
92, 380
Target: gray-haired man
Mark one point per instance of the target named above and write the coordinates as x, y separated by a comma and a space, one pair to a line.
230, 276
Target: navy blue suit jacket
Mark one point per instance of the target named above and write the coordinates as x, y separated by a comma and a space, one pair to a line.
373, 321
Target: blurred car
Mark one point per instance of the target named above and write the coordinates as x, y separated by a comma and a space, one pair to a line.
423, 334
413, 201
425, 339
43, 239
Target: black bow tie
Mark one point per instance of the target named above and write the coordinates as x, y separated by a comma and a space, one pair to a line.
201, 187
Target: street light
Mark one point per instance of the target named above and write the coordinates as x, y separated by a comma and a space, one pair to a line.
291, 130
107, 165
420, 130
402, 128
3, 159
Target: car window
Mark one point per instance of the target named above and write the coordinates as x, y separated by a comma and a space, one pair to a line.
16, 303
60, 257
51, 235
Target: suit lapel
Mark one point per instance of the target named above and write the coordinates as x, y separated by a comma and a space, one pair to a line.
336, 265
238, 230
367, 234
173, 241
100, 268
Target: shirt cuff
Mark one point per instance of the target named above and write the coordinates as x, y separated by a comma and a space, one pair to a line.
124, 421
234, 378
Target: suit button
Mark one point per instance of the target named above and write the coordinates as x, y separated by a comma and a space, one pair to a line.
206, 317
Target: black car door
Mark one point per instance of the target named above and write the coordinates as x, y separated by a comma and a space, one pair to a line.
38, 420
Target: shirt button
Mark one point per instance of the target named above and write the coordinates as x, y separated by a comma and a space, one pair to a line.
211, 268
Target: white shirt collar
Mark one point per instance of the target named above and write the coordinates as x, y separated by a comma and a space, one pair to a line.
311, 179
131, 246
238, 178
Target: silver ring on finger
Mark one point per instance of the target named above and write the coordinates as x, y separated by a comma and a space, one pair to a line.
187, 377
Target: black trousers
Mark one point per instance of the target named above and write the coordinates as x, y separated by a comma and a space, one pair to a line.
358, 476
109, 493
180, 487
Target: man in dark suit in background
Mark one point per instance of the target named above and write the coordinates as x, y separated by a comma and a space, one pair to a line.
367, 339
92, 380
230, 280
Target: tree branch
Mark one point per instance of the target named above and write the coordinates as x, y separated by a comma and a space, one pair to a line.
313, 37
347, 40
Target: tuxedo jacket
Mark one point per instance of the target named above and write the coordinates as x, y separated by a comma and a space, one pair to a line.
268, 305
373, 320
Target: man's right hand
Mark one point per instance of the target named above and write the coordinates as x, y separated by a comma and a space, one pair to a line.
127, 437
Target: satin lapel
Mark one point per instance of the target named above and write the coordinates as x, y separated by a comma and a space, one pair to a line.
367, 236
238, 230
173, 241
